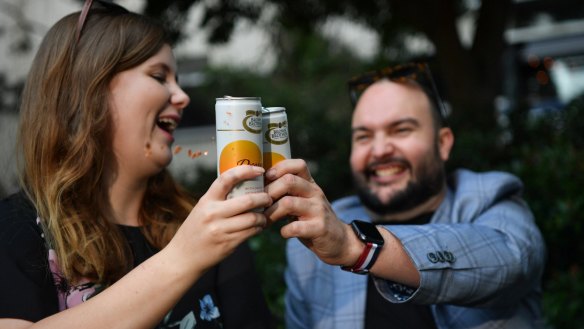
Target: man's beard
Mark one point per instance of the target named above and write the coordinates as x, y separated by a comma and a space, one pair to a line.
428, 180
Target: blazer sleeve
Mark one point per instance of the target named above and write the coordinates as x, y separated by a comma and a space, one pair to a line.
477, 253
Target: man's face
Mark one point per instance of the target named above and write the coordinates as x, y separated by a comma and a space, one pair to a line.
397, 157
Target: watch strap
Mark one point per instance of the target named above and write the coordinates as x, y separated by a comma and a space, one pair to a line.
366, 260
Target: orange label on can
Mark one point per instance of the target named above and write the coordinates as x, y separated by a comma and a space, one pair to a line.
271, 158
237, 153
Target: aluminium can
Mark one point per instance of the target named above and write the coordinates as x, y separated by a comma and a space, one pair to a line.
276, 142
239, 139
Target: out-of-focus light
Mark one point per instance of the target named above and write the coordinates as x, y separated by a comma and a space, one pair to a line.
533, 61
548, 62
542, 77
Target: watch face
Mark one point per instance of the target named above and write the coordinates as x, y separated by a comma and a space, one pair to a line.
367, 232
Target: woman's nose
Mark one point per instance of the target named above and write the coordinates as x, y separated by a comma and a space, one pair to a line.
179, 98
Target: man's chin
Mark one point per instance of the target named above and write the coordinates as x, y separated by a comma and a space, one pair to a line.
377, 200
384, 194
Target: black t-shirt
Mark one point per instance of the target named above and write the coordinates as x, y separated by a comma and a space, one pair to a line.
227, 296
381, 313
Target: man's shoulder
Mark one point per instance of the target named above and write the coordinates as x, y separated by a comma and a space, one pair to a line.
465, 180
473, 192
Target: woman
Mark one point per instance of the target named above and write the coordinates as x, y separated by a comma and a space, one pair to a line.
102, 237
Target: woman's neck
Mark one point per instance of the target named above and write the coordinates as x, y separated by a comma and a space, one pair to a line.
126, 200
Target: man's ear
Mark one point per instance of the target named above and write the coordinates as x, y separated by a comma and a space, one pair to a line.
445, 142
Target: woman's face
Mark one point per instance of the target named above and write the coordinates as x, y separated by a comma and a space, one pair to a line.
146, 105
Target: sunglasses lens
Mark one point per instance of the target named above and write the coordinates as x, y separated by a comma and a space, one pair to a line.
401, 73
415, 72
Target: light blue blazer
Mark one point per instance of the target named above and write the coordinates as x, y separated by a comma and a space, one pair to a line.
480, 260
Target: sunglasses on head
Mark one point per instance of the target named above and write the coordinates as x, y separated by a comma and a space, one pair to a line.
102, 4
417, 72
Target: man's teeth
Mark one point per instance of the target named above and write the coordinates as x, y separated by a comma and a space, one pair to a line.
388, 171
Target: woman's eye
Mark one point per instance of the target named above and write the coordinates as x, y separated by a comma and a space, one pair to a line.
159, 77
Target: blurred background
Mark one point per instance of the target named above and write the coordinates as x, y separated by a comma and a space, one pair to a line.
510, 71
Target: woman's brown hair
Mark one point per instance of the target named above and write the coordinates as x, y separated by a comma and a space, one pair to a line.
65, 144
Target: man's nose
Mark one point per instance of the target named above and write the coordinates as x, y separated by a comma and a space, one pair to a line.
382, 145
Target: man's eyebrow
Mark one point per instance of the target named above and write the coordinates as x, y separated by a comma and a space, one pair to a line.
389, 126
358, 129
412, 121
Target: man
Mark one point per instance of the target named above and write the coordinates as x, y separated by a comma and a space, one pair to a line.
462, 252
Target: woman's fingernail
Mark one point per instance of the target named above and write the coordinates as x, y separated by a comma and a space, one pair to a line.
259, 170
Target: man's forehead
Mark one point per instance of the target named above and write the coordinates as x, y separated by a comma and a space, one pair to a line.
386, 99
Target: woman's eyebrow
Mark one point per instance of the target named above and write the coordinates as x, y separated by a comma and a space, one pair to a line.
162, 65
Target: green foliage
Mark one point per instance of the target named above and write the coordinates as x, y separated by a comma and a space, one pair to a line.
548, 154
563, 302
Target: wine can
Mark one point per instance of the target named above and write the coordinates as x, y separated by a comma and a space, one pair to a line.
276, 142
238, 123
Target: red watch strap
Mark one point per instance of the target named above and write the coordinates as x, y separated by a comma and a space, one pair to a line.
364, 255
366, 260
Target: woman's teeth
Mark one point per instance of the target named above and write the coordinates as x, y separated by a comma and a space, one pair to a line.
167, 124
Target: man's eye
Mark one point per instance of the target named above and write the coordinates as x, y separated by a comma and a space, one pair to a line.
403, 130
360, 138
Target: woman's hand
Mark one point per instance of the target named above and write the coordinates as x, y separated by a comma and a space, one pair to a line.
216, 226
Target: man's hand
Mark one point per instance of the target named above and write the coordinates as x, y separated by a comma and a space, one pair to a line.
297, 196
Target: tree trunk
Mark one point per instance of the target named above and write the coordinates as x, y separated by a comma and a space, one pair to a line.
471, 76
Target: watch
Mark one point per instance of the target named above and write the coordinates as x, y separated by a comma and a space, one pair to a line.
370, 236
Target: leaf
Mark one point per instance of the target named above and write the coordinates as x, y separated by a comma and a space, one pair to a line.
188, 322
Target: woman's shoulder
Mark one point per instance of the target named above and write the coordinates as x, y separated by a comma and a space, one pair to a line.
26, 278
18, 226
